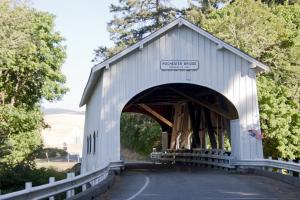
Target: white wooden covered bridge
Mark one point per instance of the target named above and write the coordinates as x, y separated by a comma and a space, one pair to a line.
197, 87
191, 82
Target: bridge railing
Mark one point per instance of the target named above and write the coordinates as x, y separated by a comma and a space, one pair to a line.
214, 157
223, 159
279, 166
67, 186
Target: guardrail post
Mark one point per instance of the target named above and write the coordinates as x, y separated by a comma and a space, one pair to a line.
290, 171
83, 187
270, 169
279, 169
28, 185
51, 180
71, 192
299, 172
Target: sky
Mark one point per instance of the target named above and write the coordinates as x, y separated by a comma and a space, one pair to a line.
83, 24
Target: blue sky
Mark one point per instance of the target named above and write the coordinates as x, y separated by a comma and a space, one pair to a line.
83, 24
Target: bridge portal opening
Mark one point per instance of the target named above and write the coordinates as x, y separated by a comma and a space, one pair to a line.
190, 116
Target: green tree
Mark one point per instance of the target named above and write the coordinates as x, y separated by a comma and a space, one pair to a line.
31, 55
270, 34
133, 20
282, 2
140, 133
20, 134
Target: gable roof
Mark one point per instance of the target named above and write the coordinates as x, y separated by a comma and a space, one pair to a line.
177, 22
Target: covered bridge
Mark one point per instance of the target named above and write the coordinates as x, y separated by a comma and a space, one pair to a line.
197, 87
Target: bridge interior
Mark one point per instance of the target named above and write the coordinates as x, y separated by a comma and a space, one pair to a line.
190, 116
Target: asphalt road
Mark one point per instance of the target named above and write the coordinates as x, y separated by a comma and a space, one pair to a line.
182, 183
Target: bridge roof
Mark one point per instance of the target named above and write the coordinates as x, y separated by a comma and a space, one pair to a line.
95, 71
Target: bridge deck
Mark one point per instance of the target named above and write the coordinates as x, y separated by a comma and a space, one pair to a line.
184, 183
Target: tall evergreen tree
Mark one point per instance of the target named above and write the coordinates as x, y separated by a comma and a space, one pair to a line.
133, 20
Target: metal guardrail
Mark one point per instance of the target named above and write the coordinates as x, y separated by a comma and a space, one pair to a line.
220, 158
66, 185
212, 157
270, 165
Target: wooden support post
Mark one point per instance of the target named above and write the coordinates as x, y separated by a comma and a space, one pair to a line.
195, 122
203, 139
203, 103
210, 129
51, 180
202, 131
222, 140
177, 125
164, 141
157, 115
221, 133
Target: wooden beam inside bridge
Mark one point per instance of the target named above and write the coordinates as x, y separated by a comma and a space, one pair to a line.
203, 103
157, 115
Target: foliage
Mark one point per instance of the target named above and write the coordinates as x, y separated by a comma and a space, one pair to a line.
140, 133
282, 2
31, 56
270, 34
20, 137
133, 20
280, 119
14, 179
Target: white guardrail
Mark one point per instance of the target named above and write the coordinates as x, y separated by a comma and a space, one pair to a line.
280, 166
67, 186
223, 159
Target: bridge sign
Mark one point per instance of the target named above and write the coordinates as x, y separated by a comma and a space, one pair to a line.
181, 65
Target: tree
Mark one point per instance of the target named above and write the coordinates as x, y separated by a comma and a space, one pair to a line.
270, 34
133, 20
282, 2
140, 133
20, 136
31, 55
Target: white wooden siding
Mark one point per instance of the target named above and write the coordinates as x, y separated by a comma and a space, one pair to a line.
220, 70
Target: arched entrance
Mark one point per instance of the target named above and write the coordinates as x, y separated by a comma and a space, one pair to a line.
191, 116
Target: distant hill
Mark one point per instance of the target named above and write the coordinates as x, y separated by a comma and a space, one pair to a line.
65, 126
52, 111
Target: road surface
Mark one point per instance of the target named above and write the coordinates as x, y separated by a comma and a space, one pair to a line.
182, 183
